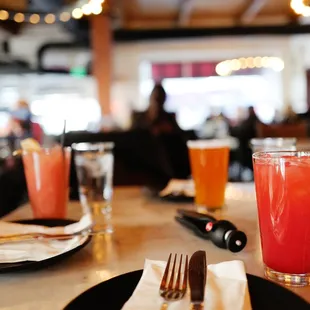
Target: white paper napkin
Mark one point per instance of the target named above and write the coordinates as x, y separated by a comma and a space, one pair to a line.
226, 288
39, 250
179, 187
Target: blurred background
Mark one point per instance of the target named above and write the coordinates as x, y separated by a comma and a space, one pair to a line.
237, 69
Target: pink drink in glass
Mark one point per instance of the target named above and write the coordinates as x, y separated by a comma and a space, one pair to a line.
47, 176
282, 181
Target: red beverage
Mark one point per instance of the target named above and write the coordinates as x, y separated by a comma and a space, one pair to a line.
47, 176
282, 181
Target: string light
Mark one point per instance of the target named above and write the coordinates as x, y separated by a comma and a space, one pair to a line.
64, 16
96, 10
226, 67
34, 18
258, 62
19, 17
77, 13
87, 9
50, 18
94, 7
300, 7
4, 15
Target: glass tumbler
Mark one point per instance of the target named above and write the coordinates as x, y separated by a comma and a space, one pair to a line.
283, 196
94, 166
273, 144
209, 166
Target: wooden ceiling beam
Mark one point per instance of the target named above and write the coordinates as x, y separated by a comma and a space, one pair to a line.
16, 5
251, 11
184, 12
118, 13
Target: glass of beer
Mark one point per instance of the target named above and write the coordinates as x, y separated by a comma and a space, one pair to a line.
209, 166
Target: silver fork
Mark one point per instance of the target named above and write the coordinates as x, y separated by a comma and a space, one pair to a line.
170, 290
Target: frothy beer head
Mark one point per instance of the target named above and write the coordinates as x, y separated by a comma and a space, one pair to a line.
209, 144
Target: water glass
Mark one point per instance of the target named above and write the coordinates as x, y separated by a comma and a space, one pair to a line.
283, 195
273, 144
94, 166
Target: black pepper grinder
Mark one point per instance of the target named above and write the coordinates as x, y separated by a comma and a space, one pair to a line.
221, 233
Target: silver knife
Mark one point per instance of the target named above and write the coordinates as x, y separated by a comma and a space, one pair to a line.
197, 275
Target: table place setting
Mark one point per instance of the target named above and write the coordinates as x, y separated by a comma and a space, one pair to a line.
49, 234
21, 242
218, 287
188, 284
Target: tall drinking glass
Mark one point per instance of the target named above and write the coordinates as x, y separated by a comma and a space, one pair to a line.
209, 167
283, 195
94, 167
273, 144
47, 177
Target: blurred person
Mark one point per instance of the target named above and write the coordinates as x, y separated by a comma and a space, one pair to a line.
289, 116
278, 117
22, 125
21, 120
155, 118
244, 132
247, 127
165, 134
215, 126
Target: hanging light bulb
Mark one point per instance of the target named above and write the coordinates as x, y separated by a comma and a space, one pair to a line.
50, 18
64, 16
34, 18
97, 9
4, 15
87, 9
301, 7
77, 13
19, 17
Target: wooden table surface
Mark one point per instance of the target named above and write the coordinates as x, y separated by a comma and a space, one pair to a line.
144, 228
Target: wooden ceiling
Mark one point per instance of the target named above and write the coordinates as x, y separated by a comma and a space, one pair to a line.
183, 13
202, 13
161, 15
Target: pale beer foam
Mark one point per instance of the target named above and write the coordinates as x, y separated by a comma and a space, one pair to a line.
210, 144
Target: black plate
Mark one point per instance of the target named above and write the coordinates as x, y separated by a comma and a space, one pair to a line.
32, 265
265, 295
177, 198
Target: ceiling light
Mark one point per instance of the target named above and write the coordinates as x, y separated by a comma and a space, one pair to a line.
301, 7
50, 18
226, 67
96, 9
77, 13
4, 15
87, 9
34, 18
19, 17
64, 16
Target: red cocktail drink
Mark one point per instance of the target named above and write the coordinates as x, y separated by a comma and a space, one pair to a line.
282, 181
47, 176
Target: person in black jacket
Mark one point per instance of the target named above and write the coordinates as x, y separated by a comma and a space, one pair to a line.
155, 118
165, 133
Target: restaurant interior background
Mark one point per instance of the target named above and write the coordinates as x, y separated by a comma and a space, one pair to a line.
212, 57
